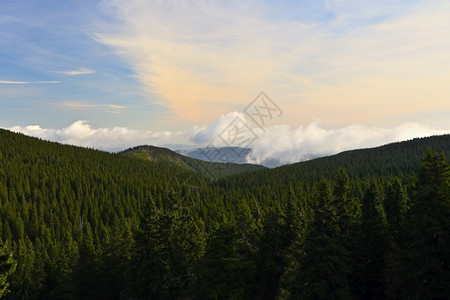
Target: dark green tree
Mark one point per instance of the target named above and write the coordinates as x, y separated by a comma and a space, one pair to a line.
348, 209
167, 247
396, 205
375, 245
426, 261
86, 280
222, 269
323, 272
7, 267
297, 214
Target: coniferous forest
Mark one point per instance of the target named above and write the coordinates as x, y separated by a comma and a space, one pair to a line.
78, 223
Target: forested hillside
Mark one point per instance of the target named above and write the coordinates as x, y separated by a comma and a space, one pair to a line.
78, 223
219, 166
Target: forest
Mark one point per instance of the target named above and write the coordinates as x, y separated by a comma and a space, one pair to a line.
78, 223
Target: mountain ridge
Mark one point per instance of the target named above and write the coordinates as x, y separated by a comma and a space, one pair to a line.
210, 169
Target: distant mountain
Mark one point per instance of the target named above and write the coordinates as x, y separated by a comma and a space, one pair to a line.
396, 159
175, 147
234, 155
221, 154
213, 169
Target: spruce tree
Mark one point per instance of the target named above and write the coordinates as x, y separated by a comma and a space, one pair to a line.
348, 210
323, 270
396, 204
168, 245
7, 267
222, 267
425, 267
375, 245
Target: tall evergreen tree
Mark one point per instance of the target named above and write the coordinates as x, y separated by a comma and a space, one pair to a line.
86, 283
167, 247
348, 210
396, 204
375, 245
323, 270
426, 264
297, 214
222, 269
7, 267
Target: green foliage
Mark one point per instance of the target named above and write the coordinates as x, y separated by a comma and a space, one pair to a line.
79, 226
211, 170
168, 244
7, 267
425, 270
323, 269
375, 245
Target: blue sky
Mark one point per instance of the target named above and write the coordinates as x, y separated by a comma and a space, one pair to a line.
166, 70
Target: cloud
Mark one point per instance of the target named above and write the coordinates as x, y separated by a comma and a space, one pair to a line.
368, 64
74, 105
280, 142
81, 133
28, 82
204, 134
81, 71
287, 144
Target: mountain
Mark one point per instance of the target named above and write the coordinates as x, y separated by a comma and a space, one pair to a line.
395, 159
225, 154
221, 154
210, 169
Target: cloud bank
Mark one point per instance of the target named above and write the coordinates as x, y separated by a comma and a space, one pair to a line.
282, 143
81, 133
287, 144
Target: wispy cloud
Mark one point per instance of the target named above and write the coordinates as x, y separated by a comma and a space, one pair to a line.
28, 82
364, 64
81, 71
75, 105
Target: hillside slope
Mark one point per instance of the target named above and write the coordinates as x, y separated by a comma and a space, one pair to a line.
211, 170
395, 159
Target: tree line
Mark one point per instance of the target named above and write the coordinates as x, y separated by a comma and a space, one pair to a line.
78, 223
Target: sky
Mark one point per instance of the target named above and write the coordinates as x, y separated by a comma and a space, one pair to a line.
335, 74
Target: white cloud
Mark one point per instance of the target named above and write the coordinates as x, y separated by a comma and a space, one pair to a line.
288, 145
81, 133
80, 71
280, 142
205, 134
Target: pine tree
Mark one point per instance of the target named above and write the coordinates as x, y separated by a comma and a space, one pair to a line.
297, 214
85, 275
7, 267
396, 204
323, 270
222, 267
426, 260
167, 246
270, 261
348, 210
375, 245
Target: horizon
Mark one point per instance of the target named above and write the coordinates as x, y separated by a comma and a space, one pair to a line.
334, 75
